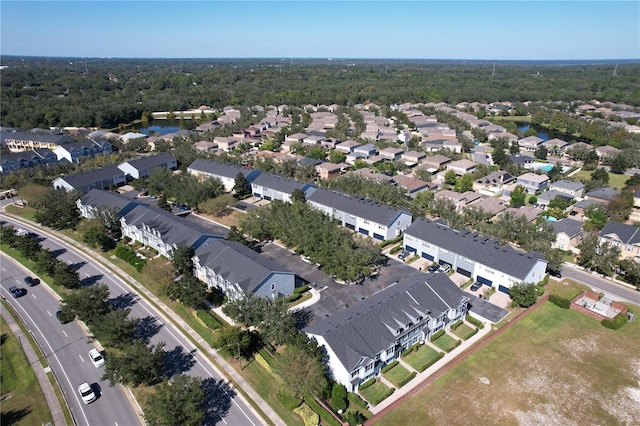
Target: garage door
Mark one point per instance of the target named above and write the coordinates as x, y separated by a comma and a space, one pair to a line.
411, 249
428, 256
350, 226
363, 231
463, 272
483, 280
503, 289
378, 237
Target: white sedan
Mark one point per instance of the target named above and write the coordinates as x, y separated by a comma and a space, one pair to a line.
96, 358
87, 393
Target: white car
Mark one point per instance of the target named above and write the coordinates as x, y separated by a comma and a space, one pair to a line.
96, 358
87, 393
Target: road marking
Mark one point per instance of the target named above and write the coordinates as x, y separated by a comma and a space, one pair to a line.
34, 296
81, 359
18, 281
65, 333
49, 313
4, 270
323, 288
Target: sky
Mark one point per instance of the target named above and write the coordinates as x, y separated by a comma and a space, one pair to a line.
427, 29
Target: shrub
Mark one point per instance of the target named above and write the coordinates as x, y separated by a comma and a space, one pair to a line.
395, 249
456, 324
560, 301
339, 397
407, 379
309, 416
301, 289
475, 322
294, 297
367, 383
355, 418
389, 366
386, 243
408, 350
615, 323
289, 402
355, 399
265, 364
436, 335
327, 418
209, 320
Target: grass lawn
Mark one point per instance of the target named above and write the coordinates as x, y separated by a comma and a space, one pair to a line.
26, 212
615, 181
376, 393
566, 288
399, 375
27, 405
422, 357
464, 331
446, 343
555, 366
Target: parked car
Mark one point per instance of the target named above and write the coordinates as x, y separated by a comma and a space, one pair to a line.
17, 291
475, 286
31, 281
96, 358
445, 268
87, 393
404, 254
433, 268
555, 273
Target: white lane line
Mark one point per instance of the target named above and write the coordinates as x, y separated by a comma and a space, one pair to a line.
4, 270
65, 333
49, 313
80, 405
80, 356
33, 295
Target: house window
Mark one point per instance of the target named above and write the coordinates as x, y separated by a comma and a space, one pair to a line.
369, 367
273, 286
354, 373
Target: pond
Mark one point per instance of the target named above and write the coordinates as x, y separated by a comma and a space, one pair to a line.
160, 127
546, 134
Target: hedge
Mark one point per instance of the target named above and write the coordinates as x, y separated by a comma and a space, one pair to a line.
355, 398
265, 364
407, 379
367, 383
209, 320
339, 397
386, 243
617, 322
430, 362
456, 324
472, 320
309, 416
408, 350
390, 366
301, 289
560, 301
294, 297
436, 335
395, 249
327, 417
289, 402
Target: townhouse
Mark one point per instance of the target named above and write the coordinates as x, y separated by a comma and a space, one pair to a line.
25, 159
274, 187
141, 167
226, 173
367, 217
24, 141
102, 178
473, 255
361, 339
74, 151
626, 237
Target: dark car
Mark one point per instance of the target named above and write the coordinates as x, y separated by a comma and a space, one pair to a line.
31, 281
17, 292
555, 273
433, 268
475, 286
404, 254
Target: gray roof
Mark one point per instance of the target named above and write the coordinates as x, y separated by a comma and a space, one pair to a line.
552, 194
474, 246
151, 161
603, 193
86, 143
357, 206
567, 184
370, 326
583, 204
237, 263
628, 234
98, 198
280, 183
571, 227
78, 180
36, 137
219, 169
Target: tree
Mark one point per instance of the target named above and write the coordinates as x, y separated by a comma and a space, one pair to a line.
339, 397
115, 328
58, 209
89, 303
514, 148
465, 183
97, 235
601, 258
189, 290
541, 152
298, 196
302, 375
182, 258
28, 246
450, 178
159, 271
620, 163
163, 204
136, 364
8, 235
337, 157
241, 186
65, 276
234, 340
524, 294
597, 216
500, 158
354, 418
619, 209
518, 197
176, 402
219, 206
601, 176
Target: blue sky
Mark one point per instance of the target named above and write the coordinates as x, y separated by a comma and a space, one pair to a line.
501, 30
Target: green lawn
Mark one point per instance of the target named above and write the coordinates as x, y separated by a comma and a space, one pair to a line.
464, 331
26, 405
422, 357
555, 366
446, 342
376, 393
399, 375
615, 181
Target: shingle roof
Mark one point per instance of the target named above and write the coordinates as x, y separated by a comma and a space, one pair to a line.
603, 193
78, 180
571, 227
36, 137
472, 245
151, 161
279, 183
99, 198
237, 263
360, 207
218, 169
369, 326
628, 234
568, 185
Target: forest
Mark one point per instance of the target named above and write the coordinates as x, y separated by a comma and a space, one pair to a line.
105, 93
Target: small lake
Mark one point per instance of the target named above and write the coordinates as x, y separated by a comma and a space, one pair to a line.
546, 134
161, 127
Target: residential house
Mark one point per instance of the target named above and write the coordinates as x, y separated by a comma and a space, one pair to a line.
626, 237
347, 146
74, 151
573, 189
205, 146
328, 170
479, 257
460, 167
489, 205
413, 186
603, 195
130, 136
528, 212
521, 159
367, 150
24, 159
582, 205
141, 167
97, 199
411, 158
101, 178
391, 153
296, 138
460, 200
371, 333
313, 140
545, 198
226, 173
436, 162
25, 141
555, 146
569, 234
530, 143
533, 182
274, 187
365, 216
607, 151
226, 143
493, 183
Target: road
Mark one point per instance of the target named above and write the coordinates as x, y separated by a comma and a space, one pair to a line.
610, 288
223, 405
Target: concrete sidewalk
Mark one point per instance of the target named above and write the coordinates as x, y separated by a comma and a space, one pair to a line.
438, 365
41, 373
182, 326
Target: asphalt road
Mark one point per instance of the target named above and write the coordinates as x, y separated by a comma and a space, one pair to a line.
617, 291
223, 405
66, 349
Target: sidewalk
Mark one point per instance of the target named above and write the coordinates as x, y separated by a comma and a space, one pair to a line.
182, 327
438, 365
41, 373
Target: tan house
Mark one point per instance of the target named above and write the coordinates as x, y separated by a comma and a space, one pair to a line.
328, 170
